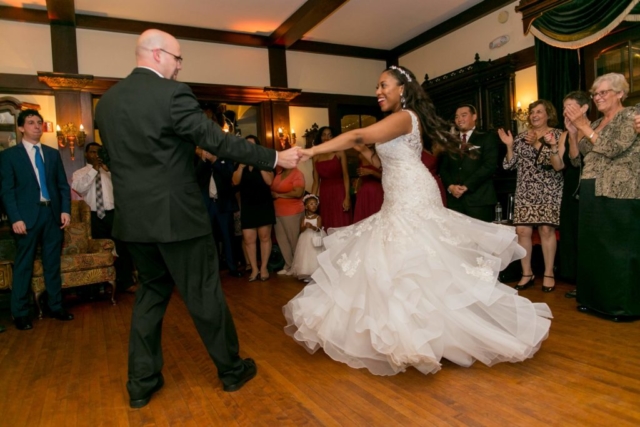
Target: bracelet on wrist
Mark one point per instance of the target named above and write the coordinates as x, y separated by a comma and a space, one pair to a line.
591, 136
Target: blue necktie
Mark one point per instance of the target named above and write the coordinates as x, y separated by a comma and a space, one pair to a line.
41, 174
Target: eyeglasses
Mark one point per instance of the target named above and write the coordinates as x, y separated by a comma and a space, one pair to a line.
601, 94
177, 58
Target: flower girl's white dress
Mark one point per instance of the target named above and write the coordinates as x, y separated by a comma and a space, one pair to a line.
416, 282
305, 259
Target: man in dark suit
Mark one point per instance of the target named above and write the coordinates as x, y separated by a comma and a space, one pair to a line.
214, 178
150, 125
468, 178
37, 199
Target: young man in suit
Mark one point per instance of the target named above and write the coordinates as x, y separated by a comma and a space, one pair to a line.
468, 178
150, 125
37, 199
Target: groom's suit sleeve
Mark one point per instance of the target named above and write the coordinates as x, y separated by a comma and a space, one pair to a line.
190, 122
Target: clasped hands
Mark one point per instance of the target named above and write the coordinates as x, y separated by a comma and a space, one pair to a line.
290, 158
457, 190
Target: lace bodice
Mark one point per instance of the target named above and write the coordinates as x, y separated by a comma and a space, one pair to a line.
407, 183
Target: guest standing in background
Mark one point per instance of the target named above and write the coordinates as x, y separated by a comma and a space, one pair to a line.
370, 193
287, 190
37, 198
468, 178
214, 177
331, 183
609, 228
538, 187
257, 213
569, 209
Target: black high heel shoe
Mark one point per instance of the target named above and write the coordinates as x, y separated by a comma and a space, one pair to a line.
526, 285
549, 288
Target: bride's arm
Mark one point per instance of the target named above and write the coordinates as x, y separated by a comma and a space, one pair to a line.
392, 126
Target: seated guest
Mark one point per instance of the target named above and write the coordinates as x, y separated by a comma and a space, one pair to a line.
538, 158
257, 214
93, 183
608, 227
214, 178
287, 189
468, 177
38, 205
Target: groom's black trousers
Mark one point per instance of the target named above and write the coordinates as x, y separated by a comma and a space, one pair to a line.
192, 265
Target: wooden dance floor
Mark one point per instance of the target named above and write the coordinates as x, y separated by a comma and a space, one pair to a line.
73, 374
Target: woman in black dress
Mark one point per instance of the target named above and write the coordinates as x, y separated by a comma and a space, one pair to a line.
257, 214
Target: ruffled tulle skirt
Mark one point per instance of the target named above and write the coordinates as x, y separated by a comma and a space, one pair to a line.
397, 290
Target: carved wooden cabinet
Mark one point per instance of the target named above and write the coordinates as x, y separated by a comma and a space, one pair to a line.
489, 86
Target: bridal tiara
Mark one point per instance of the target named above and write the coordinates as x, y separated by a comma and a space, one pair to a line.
401, 71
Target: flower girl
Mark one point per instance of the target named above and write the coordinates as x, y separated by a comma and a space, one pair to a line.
305, 259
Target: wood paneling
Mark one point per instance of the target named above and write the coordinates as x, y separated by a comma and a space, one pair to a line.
278, 67
74, 373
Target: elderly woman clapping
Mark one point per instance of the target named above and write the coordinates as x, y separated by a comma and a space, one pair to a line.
609, 229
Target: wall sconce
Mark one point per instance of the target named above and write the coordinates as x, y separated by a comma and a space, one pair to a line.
520, 114
69, 135
286, 141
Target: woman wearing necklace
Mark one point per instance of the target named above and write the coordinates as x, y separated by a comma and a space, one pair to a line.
538, 158
287, 189
608, 228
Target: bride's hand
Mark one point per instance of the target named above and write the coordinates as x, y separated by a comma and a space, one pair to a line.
306, 154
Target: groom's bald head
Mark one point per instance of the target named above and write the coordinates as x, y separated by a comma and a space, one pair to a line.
160, 51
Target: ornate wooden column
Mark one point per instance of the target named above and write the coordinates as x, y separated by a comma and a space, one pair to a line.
72, 106
275, 117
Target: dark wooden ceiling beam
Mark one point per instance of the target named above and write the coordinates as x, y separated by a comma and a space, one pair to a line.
450, 25
21, 14
340, 50
61, 11
303, 20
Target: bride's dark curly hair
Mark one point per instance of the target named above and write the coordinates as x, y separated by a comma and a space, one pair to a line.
435, 131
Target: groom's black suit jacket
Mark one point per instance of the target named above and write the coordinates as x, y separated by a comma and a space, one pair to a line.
150, 127
474, 172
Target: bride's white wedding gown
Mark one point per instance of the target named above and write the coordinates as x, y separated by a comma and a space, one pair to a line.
416, 282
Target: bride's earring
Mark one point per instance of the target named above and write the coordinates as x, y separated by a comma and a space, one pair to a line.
403, 101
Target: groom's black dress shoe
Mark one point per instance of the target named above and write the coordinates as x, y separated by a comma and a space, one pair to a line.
23, 323
250, 371
62, 314
144, 400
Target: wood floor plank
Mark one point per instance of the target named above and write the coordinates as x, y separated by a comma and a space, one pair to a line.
74, 373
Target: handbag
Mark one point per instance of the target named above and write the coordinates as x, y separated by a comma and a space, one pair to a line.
316, 240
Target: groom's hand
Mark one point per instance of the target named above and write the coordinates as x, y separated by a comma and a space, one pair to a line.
289, 159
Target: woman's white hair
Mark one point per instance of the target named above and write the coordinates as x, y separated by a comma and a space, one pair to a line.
617, 81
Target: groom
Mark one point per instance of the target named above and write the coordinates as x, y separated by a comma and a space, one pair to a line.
150, 125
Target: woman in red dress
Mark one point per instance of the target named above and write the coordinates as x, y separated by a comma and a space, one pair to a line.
331, 184
370, 194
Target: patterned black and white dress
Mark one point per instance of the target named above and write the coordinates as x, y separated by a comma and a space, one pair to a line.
538, 186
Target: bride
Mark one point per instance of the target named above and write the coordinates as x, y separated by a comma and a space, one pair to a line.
415, 282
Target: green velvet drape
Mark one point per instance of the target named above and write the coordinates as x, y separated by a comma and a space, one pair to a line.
557, 73
578, 22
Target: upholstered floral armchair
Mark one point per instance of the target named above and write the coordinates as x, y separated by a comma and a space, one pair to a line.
84, 260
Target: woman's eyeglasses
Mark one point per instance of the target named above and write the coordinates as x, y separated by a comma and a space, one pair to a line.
601, 94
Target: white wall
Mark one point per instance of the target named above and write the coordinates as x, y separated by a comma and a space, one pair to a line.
333, 74
301, 119
47, 111
526, 86
25, 48
458, 49
107, 54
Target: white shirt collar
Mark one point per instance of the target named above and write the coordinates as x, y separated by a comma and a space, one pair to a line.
155, 71
29, 145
